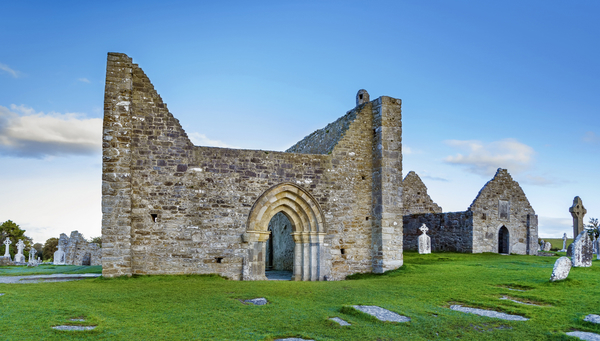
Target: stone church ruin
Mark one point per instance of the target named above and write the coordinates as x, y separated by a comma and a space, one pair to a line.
499, 220
329, 206
170, 207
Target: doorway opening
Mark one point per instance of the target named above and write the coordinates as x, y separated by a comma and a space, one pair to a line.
279, 255
503, 240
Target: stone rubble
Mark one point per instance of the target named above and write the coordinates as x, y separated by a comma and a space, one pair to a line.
257, 301
340, 321
586, 336
592, 318
488, 313
561, 269
381, 313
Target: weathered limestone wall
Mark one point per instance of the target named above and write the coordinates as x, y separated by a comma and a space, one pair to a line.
415, 197
502, 202
452, 231
192, 208
79, 251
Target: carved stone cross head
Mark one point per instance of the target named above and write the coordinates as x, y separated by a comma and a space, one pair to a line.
424, 228
577, 210
7, 242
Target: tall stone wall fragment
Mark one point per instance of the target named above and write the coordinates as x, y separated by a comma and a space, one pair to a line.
415, 198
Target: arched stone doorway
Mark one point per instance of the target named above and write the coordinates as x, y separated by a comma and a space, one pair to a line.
308, 231
503, 240
279, 256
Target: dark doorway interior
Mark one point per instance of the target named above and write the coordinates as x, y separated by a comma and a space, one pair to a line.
503, 240
279, 260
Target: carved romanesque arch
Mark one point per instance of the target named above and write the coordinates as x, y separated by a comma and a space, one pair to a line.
308, 226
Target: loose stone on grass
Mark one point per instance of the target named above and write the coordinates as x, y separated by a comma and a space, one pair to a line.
77, 320
592, 318
257, 301
561, 269
516, 301
73, 327
488, 313
381, 314
585, 335
340, 321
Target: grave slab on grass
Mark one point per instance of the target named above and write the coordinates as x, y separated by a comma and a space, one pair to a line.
516, 301
592, 318
340, 321
73, 327
381, 314
586, 336
77, 320
488, 313
257, 301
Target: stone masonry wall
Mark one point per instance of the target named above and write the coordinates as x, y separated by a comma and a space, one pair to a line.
415, 197
502, 202
323, 141
78, 251
452, 231
173, 208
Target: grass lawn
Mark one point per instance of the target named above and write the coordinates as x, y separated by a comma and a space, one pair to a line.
208, 307
48, 269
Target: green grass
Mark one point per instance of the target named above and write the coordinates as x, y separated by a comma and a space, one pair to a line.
209, 307
48, 269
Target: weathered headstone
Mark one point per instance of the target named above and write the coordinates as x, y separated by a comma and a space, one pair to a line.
564, 248
59, 255
577, 212
424, 241
20, 257
562, 266
7, 242
582, 250
547, 246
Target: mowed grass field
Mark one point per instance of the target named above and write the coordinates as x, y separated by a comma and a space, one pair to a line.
209, 307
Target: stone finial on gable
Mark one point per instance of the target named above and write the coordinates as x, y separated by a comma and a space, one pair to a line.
362, 97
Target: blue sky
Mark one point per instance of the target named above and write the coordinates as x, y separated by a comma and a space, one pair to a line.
511, 84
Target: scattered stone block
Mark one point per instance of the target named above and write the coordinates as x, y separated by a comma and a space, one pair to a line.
340, 321
488, 313
582, 250
547, 246
562, 266
77, 320
517, 301
585, 335
381, 314
592, 318
73, 327
257, 301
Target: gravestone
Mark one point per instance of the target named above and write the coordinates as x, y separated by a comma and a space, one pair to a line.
20, 257
582, 250
547, 246
424, 241
60, 255
7, 243
561, 269
564, 248
577, 212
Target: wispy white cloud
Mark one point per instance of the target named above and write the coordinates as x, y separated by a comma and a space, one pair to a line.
543, 181
591, 137
555, 227
10, 71
202, 140
85, 80
434, 178
485, 158
30, 134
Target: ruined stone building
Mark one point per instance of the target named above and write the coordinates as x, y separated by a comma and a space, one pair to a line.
79, 251
500, 219
328, 207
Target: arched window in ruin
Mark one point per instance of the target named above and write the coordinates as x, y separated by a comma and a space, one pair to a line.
503, 240
307, 230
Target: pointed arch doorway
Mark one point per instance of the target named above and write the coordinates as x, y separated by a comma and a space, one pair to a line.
307, 230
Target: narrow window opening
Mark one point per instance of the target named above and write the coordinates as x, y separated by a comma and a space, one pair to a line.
154, 217
360, 96
483, 216
363, 177
343, 251
367, 218
219, 259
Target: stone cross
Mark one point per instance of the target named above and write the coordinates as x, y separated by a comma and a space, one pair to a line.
577, 211
424, 240
7, 242
20, 247
424, 229
564, 248
32, 252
